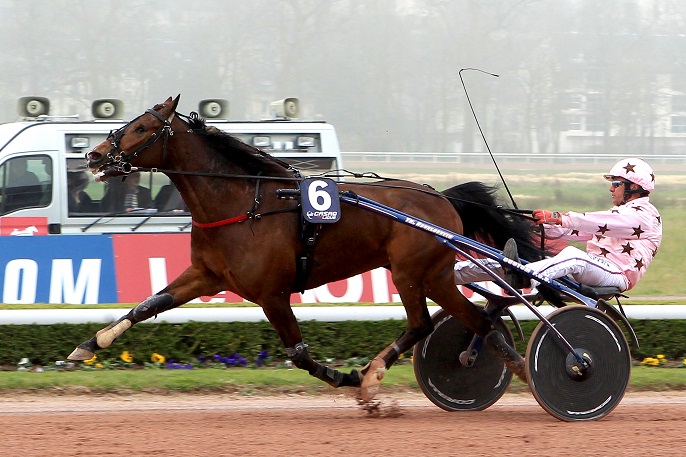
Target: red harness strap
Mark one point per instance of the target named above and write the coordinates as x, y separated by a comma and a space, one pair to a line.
231, 220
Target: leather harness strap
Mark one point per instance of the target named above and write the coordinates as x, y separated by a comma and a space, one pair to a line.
228, 221
243, 217
249, 215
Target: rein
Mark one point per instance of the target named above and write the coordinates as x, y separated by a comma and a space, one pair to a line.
122, 163
429, 190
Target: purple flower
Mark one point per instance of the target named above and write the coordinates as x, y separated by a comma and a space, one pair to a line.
262, 357
172, 365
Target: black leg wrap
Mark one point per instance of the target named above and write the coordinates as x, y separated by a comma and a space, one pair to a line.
514, 361
392, 355
351, 380
298, 354
90, 345
335, 378
152, 306
328, 375
389, 355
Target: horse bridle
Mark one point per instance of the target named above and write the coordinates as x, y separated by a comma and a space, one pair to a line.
120, 159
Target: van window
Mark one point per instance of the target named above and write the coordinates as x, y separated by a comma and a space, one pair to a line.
167, 198
142, 192
25, 182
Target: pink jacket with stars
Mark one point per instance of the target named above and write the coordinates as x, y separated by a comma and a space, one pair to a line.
628, 235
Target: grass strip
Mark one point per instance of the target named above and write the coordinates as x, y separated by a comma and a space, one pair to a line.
256, 381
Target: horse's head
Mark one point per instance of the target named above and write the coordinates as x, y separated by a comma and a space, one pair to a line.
134, 144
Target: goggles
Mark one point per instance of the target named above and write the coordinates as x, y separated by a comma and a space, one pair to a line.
617, 183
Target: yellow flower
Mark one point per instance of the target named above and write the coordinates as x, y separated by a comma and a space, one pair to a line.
126, 357
651, 361
157, 358
660, 356
98, 365
91, 360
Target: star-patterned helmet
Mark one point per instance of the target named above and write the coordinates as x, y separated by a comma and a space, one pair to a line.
635, 170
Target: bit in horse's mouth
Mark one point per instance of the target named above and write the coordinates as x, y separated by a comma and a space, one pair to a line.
103, 173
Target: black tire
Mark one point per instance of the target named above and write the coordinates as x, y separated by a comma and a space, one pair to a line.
550, 367
445, 381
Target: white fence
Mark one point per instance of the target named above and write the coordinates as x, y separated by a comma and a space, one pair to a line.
303, 313
484, 157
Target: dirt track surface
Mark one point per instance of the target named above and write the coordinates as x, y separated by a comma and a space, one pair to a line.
646, 424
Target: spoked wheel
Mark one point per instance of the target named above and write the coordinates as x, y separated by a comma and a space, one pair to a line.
566, 388
449, 384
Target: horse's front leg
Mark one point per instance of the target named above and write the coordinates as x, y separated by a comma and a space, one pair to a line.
280, 315
419, 325
191, 284
458, 306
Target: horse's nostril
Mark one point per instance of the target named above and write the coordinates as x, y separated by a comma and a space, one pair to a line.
93, 156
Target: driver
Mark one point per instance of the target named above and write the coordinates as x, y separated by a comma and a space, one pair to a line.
620, 242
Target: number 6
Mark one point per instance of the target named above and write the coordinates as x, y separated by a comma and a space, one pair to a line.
319, 199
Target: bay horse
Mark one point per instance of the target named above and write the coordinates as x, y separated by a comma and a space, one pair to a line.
246, 240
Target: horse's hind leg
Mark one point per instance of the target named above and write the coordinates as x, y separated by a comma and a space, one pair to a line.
458, 306
280, 315
191, 284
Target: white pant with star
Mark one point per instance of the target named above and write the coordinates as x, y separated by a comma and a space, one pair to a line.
580, 266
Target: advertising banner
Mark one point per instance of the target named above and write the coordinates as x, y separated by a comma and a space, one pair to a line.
62, 269
127, 268
23, 226
145, 264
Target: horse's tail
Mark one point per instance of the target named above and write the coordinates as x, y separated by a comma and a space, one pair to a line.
484, 220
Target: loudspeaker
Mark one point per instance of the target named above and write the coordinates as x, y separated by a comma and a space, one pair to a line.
33, 106
288, 108
108, 108
214, 108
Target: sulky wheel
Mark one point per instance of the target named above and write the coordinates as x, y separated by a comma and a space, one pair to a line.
449, 384
564, 387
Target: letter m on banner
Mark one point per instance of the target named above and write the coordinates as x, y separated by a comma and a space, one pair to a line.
86, 288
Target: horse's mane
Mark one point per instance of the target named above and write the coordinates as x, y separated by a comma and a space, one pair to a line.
484, 219
251, 159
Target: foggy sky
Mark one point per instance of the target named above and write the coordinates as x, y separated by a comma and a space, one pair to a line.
384, 72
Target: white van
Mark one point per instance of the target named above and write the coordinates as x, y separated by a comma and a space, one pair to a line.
42, 174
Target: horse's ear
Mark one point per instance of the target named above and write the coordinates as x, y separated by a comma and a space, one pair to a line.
169, 106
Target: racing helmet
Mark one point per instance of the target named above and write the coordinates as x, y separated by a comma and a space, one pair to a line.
634, 170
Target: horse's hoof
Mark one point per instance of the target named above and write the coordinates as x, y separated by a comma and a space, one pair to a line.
518, 367
80, 354
372, 379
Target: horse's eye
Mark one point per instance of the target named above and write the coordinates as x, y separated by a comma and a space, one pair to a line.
140, 129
